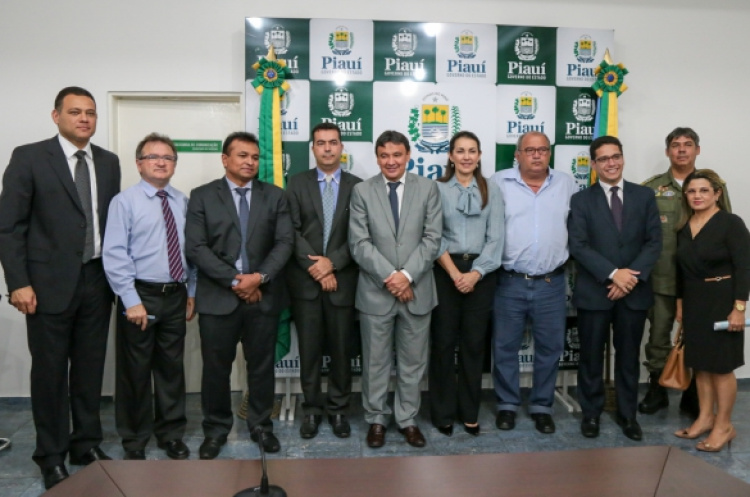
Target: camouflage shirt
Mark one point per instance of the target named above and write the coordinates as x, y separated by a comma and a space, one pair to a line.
669, 201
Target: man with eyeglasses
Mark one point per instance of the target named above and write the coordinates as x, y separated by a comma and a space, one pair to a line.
683, 147
144, 259
53, 210
615, 238
531, 283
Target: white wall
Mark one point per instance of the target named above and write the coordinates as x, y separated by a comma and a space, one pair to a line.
679, 54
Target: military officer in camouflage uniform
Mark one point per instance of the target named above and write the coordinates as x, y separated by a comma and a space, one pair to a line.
683, 146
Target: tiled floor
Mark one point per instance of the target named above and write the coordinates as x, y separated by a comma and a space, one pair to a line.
19, 476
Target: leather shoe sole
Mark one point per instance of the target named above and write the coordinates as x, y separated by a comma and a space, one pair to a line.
340, 425
54, 475
413, 436
175, 449
543, 423
91, 455
210, 448
376, 436
505, 420
590, 427
271, 444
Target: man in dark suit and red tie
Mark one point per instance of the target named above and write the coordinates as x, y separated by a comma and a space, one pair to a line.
322, 279
239, 235
53, 210
615, 237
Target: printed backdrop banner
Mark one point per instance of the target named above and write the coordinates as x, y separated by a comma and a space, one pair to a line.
428, 81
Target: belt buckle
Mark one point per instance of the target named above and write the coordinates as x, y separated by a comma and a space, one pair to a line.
465, 257
527, 277
164, 288
719, 278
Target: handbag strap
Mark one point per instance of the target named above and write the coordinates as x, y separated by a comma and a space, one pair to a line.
678, 336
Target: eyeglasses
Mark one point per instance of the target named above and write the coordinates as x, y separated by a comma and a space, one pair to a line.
603, 160
538, 150
156, 158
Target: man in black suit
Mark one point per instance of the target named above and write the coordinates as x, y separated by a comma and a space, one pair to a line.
53, 210
615, 237
239, 235
322, 279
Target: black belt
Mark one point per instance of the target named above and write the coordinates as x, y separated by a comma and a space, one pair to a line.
465, 257
546, 276
165, 288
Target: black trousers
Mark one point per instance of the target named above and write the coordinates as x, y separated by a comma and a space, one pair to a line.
219, 337
627, 331
158, 351
323, 326
67, 364
459, 320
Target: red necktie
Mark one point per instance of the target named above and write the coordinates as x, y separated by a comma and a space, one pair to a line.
173, 242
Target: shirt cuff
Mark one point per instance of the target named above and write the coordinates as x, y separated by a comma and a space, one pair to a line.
130, 298
408, 276
612, 274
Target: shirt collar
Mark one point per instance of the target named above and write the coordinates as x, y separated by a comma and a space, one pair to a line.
336, 175
454, 182
234, 186
607, 187
151, 190
70, 150
402, 179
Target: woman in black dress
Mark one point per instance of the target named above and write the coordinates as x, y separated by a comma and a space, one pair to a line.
713, 252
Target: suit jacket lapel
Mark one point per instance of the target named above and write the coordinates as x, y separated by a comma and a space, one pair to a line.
627, 207
226, 199
59, 164
601, 206
379, 185
345, 186
409, 193
314, 190
256, 205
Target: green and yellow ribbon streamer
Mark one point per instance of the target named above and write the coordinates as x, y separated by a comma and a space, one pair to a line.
270, 83
609, 84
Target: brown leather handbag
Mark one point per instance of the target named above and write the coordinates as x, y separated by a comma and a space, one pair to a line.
675, 374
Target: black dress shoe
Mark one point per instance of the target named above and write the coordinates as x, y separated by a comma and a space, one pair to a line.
91, 455
656, 398
630, 428
590, 427
211, 447
135, 455
472, 430
446, 430
309, 426
505, 420
54, 475
543, 422
340, 425
176, 449
270, 442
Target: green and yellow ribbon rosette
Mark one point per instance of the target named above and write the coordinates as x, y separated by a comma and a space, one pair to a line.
271, 84
609, 84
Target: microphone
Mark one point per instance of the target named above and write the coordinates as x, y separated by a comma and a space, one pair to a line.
264, 490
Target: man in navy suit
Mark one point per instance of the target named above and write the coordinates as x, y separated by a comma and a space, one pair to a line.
239, 235
53, 210
615, 237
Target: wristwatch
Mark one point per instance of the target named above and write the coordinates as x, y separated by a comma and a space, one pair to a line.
263, 278
739, 306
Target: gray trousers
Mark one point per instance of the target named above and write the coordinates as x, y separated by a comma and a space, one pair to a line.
410, 335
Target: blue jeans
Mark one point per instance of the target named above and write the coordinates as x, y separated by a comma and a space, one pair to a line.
542, 303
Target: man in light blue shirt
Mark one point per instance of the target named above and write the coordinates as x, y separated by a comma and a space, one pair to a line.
531, 283
144, 260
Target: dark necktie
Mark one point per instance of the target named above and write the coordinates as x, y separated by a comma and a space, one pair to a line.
176, 271
83, 186
328, 208
393, 197
244, 218
616, 206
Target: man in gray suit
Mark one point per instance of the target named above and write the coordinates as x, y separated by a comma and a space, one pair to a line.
239, 235
395, 226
